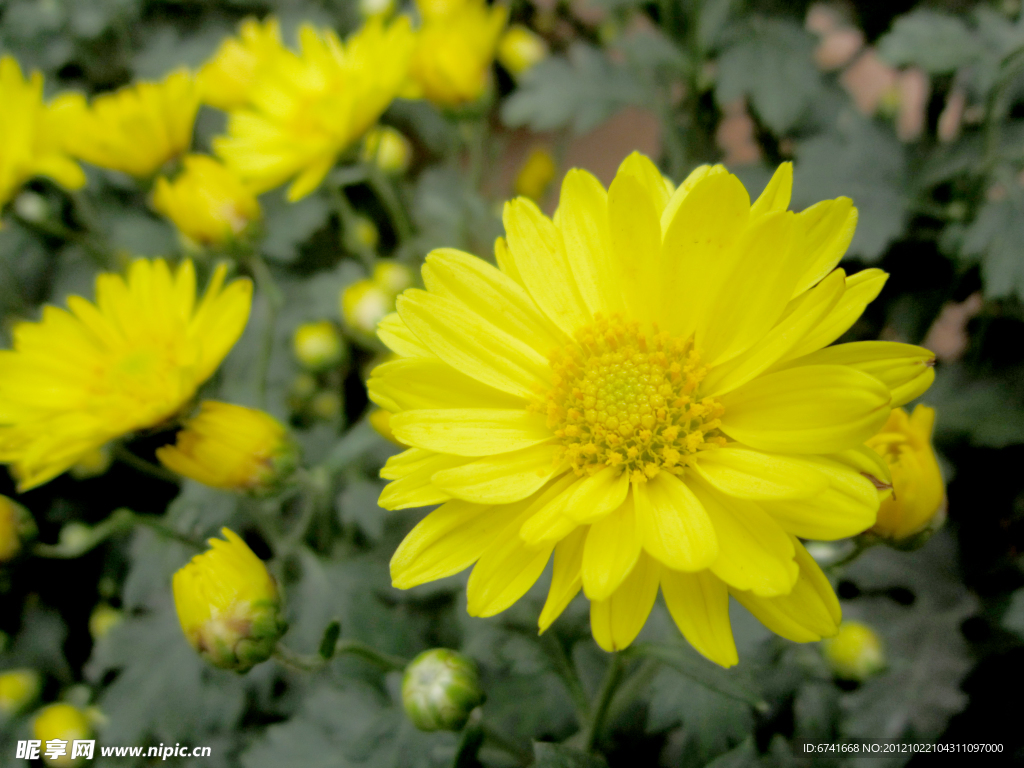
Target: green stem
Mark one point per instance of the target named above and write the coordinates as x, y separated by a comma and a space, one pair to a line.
275, 300
860, 546
563, 667
349, 219
122, 454
60, 231
385, 190
604, 697
504, 743
314, 661
120, 521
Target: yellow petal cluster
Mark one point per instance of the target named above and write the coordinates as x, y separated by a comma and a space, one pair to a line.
138, 128
207, 203
306, 108
61, 721
454, 50
226, 81
918, 499
642, 391
33, 134
232, 447
81, 377
228, 604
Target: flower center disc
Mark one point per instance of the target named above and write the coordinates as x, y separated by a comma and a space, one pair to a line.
624, 396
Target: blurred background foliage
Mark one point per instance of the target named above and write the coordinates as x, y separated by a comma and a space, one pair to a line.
915, 110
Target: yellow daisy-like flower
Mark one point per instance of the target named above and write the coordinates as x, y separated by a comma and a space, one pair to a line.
454, 51
226, 80
207, 203
642, 389
32, 133
80, 378
309, 107
138, 128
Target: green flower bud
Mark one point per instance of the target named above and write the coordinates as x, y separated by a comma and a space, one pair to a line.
16, 528
855, 653
19, 688
440, 689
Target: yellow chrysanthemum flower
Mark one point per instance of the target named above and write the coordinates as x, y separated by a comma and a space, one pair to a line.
309, 107
232, 447
32, 134
454, 51
138, 128
226, 80
207, 203
80, 378
228, 604
642, 388
917, 503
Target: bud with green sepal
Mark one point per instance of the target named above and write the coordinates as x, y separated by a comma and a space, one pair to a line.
440, 689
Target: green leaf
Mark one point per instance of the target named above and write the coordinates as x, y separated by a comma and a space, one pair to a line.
582, 90
770, 63
989, 411
358, 504
547, 755
995, 237
288, 225
713, 17
935, 41
742, 756
733, 683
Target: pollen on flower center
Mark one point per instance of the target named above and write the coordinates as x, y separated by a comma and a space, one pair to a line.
626, 396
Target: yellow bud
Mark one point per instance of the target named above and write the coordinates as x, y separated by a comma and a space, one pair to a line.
380, 420
63, 722
855, 652
318, 346
366, 233
370, 8
103, 619
536, 175
302, 389
388, 148
93, 464
232, 447
364, 304
917, 503
392, 277
207, 203
228, 604
326, 405
520, 49
19, 688
16, 526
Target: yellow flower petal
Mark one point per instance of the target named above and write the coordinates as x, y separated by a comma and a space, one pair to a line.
396, 335
469, 431
500, 479
611, 551
829, 227
649, 177
683, 190
699, 604
417, 382
412, 470
636, 245
748, 474
676, 529
566, 576
617, 621
503, 574
777, 194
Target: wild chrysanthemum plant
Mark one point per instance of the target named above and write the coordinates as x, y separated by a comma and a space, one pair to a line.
81, 377
642, 390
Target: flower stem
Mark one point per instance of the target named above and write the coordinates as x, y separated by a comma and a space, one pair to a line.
275, 300
385, 190
563, 667
860, 546
611, 681
314, 661
122, 454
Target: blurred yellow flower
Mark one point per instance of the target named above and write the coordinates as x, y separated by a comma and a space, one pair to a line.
18, 689
64, 722
454, 50
138, 128
226, 80
33, 135
232, 447
77, 379
16, 525
309, 107
103, 618
388, 148
207, 203
644, 391
318, 346
520, 49
536, 175
365, 303
855, 653
228, 604
918, 500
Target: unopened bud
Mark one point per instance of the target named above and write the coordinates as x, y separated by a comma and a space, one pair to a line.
103, 619
364, 304
520, 49
64, 722
392, 276
388, 149
19, 688
326, 405
16, 528
234, 448
228, 605
93, 464
303, 387
31, 207
536, 175
440, 689
370, 8
855, 652
318, 346
366, 233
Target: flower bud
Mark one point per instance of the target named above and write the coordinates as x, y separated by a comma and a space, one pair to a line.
103, 619
303, 387
855, 652
64, 722
207, 203
380, 420
366, 233
520, 49
234, 448
93, 464
228, 605
439, 690
370, 8
917, 504
536, 175
364, 304
19, 688
388, 148
318, 346
392, 277
326, 405
16, 527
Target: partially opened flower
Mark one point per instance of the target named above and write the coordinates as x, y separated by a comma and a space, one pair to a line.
226, 80
640, 390
307, 108
77, 379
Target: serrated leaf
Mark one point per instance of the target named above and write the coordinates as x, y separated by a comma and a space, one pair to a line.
935, 41
734, 683
547, 755
989, 411
770, 63
357, 504
995, 237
